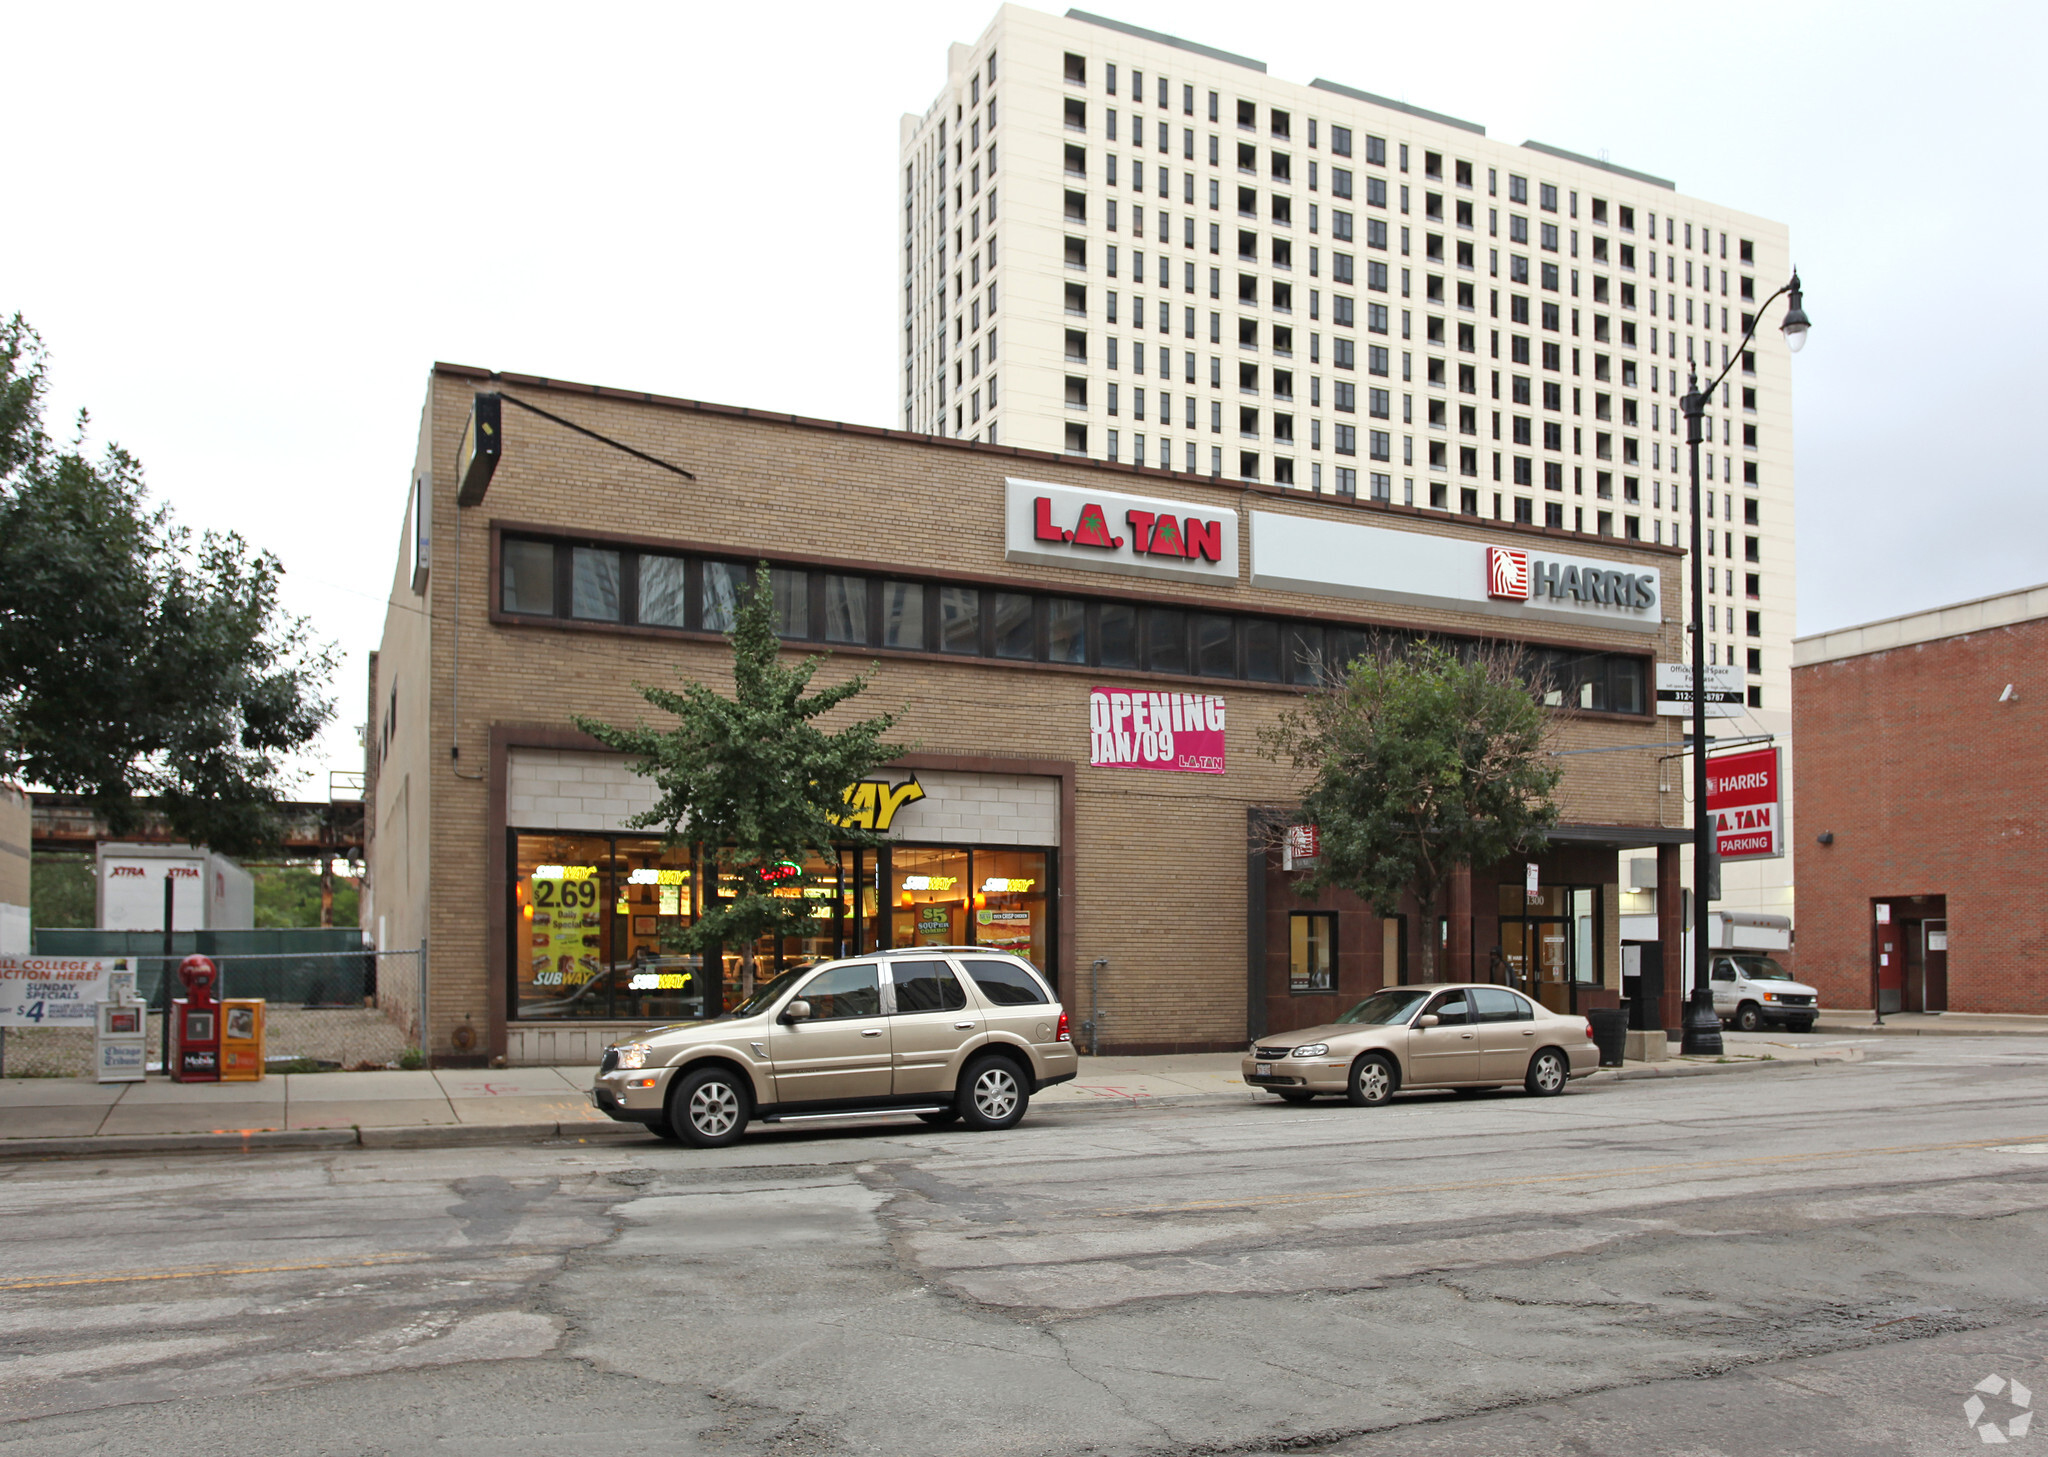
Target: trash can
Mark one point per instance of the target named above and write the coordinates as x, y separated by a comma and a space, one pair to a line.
1610, 1034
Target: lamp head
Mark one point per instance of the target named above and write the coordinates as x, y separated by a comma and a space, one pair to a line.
1796, 323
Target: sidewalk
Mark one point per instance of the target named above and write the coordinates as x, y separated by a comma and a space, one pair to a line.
44, 1117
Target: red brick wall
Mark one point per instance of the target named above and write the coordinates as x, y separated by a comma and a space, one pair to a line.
1930, 786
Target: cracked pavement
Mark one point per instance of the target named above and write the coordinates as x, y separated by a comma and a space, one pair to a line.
1823, 1260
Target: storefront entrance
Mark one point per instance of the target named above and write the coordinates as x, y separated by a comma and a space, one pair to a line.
1549, 943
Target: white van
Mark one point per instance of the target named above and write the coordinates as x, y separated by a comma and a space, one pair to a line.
1752, 991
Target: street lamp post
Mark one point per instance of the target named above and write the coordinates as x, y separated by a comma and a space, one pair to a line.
1702, 1028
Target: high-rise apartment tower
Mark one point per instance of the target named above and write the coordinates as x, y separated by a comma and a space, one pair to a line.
1132, 247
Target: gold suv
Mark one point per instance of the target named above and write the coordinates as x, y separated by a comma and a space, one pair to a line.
944, 1032
1439, 1036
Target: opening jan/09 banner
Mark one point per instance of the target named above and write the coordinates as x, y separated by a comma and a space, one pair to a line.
1177, 732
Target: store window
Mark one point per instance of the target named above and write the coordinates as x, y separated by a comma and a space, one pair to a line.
1312, 951
528, 572
590, 912
930, 899
663, 595
594, 584
846, 608
1011, 893
1066, 621
959, 620
903, 615
592, 916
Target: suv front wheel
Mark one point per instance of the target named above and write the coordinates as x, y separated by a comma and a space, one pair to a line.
709, 1108
992, 1094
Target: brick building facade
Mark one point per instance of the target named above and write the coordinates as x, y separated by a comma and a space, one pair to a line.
497, 830
1921, 802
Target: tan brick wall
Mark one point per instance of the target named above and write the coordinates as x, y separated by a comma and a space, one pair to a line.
1158, 858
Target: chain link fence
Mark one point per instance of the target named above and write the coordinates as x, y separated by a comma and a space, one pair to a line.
326, 1011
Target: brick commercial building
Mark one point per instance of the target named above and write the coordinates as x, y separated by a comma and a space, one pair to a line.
1922, 807
1084, 654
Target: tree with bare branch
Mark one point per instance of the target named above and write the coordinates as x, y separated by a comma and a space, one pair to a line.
1420, 762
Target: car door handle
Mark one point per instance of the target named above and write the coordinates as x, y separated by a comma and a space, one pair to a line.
1528, 1031
963, 1026
871, 1032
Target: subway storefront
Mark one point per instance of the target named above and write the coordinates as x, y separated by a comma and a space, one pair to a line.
1085, 659
593, 917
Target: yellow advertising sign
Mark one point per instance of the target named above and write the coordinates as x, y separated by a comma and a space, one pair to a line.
564, 924
871, 804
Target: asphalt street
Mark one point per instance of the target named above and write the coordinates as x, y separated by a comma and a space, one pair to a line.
1822, 1260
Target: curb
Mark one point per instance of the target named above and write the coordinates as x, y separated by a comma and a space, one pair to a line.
1865, 1029
291, 1140
1678, 1069
485, 1135
255, 1141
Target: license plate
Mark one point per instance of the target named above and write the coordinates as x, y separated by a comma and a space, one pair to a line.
1265, 1070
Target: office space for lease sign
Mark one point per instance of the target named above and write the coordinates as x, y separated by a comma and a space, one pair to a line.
1137, 729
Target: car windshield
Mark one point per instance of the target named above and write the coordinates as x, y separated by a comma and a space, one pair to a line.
1762, 968
1383, 1009
762, 999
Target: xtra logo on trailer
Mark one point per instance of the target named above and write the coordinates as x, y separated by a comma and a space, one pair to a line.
1514, 576
1180, 732
1106, 531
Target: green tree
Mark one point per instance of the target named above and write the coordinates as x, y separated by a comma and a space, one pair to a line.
61, 890
289, 896
137, 661
753, 778
1420, 762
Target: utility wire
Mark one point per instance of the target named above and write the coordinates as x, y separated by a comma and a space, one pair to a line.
605, 439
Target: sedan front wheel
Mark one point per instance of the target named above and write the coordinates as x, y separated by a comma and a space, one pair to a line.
1372, 1081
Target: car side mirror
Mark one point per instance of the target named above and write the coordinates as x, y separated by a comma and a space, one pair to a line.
797, 1011
1427, 1019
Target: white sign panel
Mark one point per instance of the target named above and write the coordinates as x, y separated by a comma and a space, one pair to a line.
1726, 695
1381, 564
1105, 531
55, 991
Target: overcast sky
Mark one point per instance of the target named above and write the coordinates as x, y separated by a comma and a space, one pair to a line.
247, 232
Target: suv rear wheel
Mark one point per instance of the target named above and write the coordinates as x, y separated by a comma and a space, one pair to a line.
709, 1108
992, 1093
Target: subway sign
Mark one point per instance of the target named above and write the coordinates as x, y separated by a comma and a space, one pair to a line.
1108, 531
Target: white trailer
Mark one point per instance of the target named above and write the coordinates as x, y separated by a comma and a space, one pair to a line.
209, 892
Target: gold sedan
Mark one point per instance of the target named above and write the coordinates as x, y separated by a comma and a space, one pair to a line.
1465, 1036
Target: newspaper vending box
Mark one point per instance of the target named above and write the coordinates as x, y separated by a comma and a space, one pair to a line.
241, 1040
121, 1033
195, 1025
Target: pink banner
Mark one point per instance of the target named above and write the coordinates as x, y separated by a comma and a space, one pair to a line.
1181, 732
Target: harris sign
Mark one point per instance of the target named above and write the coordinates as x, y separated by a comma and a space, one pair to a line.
1382, 564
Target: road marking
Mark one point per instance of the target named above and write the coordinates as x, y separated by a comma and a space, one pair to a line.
1274, 1200
216, 1271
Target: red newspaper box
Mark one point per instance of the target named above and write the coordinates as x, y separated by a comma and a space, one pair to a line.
195, 1025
